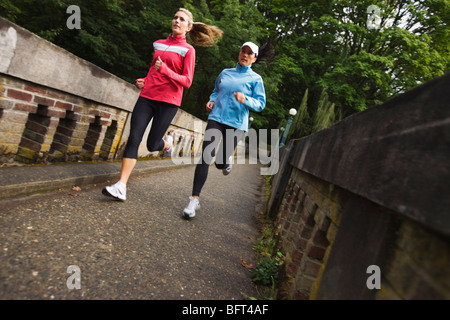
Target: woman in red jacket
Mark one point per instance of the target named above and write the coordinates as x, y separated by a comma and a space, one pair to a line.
171, 71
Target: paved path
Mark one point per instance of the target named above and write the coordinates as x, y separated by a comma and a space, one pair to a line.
138, 249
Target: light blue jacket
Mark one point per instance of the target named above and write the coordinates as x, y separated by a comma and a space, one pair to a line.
227, 110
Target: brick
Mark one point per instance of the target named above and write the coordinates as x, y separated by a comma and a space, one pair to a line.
65, 131
308, 218
10, 139
17, 117
292, 269
6, 104
309, 204
306, 232
74, 116
304, 283
312, 268
293, 205
14, 84
62, 139
320, 238
301, 244
26, 153
57, 95
36, 89
105, 114
19, 95
64, 105
58, 146
44, 101
297, 256
34, 136
29, 144
36, 127
88, 147
315, 252
31, 108
56, 113
39, 118
8, 148
105, 123
324, 223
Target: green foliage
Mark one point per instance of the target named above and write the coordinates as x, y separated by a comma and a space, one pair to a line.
301, 124
324, 115
318, 44
269, 258
267, 271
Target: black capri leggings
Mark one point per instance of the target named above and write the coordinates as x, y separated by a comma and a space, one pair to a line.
144, 111
215, 132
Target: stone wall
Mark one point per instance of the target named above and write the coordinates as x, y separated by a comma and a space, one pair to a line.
57, 107
367, 200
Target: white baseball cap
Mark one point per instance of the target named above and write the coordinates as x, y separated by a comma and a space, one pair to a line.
252, 46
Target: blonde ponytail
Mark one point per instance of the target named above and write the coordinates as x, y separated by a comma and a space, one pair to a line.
201, 34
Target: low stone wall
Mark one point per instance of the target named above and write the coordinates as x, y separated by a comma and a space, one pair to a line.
362, 208
55, 106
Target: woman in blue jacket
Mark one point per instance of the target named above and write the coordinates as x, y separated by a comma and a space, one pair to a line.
237, 90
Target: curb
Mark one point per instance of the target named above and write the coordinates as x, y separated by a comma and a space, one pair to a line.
21, 188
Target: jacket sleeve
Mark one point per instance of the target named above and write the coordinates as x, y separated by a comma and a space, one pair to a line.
184, 79
257, 102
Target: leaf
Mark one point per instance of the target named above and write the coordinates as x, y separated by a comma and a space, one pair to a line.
246, 265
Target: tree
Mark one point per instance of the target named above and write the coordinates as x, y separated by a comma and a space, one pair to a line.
328, 45
319, 45
301, 125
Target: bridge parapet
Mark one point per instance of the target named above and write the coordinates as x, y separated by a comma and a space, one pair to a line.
373, 190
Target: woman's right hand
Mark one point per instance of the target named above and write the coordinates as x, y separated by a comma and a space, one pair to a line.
209, 106
139, 83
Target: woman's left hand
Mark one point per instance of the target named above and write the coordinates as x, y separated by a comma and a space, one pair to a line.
158, 63
239, 96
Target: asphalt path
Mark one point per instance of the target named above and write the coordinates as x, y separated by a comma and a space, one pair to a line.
138, 249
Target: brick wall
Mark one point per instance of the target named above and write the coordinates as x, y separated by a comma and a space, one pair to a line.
40, 124
371, 191
307, 225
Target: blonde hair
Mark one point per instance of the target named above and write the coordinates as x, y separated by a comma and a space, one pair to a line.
201, 34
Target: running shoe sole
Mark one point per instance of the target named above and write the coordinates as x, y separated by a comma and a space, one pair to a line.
106, 193
188, 216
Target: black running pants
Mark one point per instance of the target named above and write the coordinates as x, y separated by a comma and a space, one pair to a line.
214, 134
144, 111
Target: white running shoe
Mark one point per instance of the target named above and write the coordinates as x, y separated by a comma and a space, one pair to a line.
118, 191
189, 211
226, 171
169, 140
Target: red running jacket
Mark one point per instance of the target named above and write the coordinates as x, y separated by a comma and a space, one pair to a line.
176, 72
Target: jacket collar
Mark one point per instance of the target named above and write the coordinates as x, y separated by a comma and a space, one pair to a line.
176, 38
240, 68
